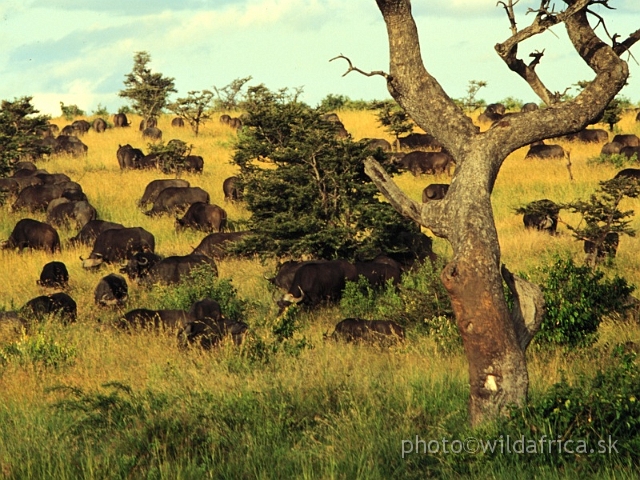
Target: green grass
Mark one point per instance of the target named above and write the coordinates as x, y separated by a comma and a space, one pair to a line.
85, 401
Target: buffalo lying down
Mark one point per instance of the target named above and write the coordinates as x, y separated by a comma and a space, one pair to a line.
356, 329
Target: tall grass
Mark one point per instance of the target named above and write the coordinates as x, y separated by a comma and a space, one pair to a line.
329, 411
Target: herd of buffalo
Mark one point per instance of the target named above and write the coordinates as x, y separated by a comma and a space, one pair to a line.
308, 283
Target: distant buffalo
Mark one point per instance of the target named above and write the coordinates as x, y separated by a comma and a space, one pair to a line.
120, 120
432, 163
216, 245
153, 133
627, 140
117, 245
545, 152
435, 191
111, 291
356, 329
418, 140
529, 107
231, 190
153, 189
91, 230
150, 123
592, 135
99, 125
174, 199
177, 122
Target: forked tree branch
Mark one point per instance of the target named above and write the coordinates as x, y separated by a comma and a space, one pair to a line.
430, 215
356, 69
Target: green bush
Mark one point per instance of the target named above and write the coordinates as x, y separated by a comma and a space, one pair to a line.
604, 407
616, 159
577, 297
39, 349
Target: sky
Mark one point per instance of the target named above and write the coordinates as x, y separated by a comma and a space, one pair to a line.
79, 51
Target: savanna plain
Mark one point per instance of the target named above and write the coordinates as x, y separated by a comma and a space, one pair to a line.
88, 401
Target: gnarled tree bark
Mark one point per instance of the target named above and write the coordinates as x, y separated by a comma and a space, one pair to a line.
494, 338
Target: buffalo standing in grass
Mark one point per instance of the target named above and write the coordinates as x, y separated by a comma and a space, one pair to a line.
216, 245
541, 215
129, 157
627, 140
210, 326
90, 231
154, 188
59, 304
170, 270
177, 122
204, 217
120, 120
99, 125
418, 140
117, 245
427, 162
231, 190
545, 152
152, 133
64, 211
174, 199
29, 233
155, 319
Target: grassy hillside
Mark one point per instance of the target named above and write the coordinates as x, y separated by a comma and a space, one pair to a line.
329, 411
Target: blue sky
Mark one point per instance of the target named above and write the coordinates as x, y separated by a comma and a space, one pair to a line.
78, 51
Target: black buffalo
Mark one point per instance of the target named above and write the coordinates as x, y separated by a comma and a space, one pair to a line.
419, 162
153, 189
378, 273
542, 215
174, 199
92, 229
155, 319
627, 140
139, 264
435, 191
69, 145
204, 217
375, 143
54, 275
169, 270
316, 283
153, 133
193, 164
59, 304
590, 135
81, 126
177, 122
120, 120
287, 270
29, 233
9, 186
116, 245
99, 125
628, 173
492, 113
37, 197
611, 148
60, 213
111, 291
224, 119
545, 152
418, 140
215, 245
357, 329
129, 157
629, 152
231, 190
529, 107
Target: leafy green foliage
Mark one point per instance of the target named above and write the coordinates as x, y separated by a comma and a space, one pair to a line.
332, 102
306, 189
576, 298
230, 97
171, 157
20, 132
39, 349
69, 112
148, 91
193, 108
512, 104
604, 407
601, 215
393, 117
612, 113
470, 102
616, 159
100, 111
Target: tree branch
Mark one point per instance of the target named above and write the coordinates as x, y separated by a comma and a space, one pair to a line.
430, 215
352, 68
544, 20
528, 307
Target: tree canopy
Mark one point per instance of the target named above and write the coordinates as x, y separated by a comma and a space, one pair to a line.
306, 189
148, 91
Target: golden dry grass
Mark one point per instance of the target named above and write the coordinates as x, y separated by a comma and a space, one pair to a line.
143, 360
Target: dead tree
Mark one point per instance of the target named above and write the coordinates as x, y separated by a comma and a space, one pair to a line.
495, 338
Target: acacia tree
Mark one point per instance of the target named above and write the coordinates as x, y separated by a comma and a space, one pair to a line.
193, 108
495, 337
148, 91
